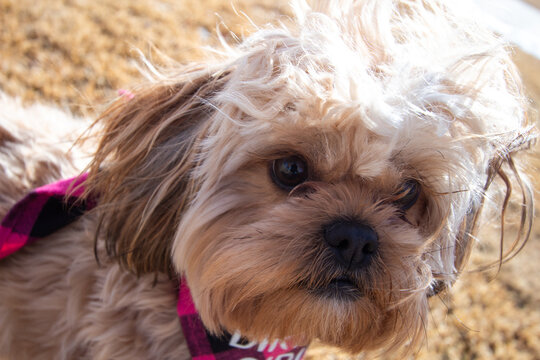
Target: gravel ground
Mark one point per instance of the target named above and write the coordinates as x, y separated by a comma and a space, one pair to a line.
77, 53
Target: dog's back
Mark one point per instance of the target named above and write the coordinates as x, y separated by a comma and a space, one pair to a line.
36, 148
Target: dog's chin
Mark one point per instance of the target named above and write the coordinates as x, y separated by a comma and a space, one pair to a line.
338, 312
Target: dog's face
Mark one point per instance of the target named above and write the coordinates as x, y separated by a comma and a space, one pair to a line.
311, 226
320, 184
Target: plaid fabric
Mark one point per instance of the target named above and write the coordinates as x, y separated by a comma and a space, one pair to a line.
51, 207
40, 213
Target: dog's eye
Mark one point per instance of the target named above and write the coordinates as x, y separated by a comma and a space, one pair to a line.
289, 171
407, 196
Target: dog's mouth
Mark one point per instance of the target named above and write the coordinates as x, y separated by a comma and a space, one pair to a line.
341, 287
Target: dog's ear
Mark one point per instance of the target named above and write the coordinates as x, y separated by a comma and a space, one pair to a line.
504, 168
141, 172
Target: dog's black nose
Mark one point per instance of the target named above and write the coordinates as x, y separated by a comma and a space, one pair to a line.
353, 244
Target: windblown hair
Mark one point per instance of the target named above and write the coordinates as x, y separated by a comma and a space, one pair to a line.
147, 145
370, 93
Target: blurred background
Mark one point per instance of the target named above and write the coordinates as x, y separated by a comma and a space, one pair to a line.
76, 54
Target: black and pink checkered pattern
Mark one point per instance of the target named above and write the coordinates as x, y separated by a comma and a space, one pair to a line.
42, 212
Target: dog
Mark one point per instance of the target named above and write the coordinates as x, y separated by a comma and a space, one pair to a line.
319, 181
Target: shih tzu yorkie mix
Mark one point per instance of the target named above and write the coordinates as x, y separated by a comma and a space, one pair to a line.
320, 181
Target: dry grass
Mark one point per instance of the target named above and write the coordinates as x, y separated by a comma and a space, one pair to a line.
79, 52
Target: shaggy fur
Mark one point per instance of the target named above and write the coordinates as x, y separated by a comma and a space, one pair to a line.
370, 94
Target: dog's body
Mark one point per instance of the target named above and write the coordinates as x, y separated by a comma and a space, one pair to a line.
319, 184
73, 311
54, 289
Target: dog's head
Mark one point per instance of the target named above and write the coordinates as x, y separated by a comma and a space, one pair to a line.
322, 181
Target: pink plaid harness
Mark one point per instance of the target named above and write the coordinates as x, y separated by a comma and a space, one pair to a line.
51, 207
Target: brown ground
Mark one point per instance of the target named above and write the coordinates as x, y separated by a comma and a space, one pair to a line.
75, 53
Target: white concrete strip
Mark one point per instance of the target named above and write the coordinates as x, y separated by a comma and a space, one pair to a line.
517, 21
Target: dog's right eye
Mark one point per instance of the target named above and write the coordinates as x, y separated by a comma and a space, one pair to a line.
289, 171
408, 195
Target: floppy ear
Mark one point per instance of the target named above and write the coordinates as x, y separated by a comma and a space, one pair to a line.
501, 166
142, 166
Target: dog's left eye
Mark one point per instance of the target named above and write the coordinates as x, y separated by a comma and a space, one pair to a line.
407, 196
289, 171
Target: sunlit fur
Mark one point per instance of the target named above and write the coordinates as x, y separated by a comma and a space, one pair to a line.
370, 93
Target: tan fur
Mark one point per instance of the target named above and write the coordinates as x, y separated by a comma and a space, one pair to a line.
77, 310
62, 305
370, 94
